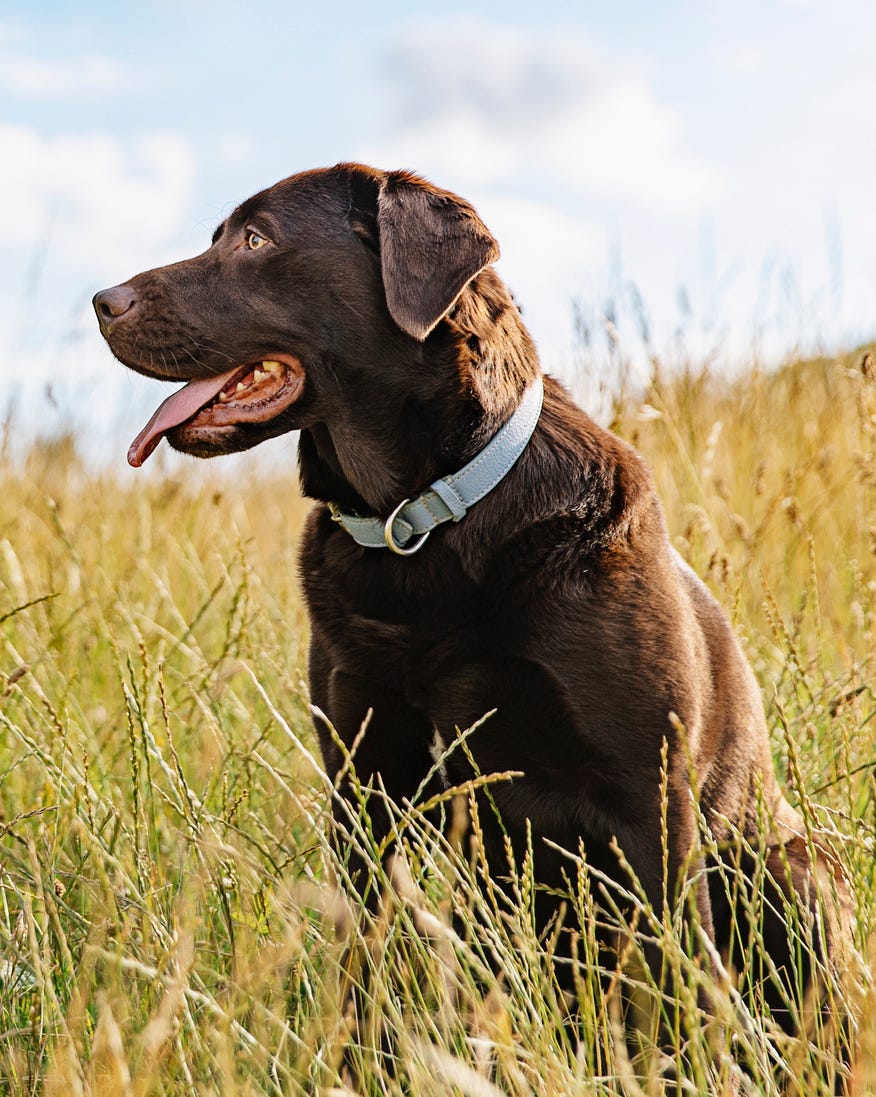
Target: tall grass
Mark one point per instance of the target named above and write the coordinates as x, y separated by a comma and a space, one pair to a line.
173, 918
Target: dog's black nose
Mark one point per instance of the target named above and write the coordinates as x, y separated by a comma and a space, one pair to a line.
111, 304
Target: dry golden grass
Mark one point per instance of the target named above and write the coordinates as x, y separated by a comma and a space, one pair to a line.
170, 915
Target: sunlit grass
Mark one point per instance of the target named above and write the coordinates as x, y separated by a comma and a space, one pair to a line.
172, 916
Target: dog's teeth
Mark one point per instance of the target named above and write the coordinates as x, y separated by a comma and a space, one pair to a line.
271, 367
224, 397
258, 376
241, 387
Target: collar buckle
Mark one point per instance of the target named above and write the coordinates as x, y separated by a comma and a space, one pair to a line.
389, 537
450, 498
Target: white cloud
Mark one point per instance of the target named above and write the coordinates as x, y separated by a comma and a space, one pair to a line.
10, 32
39, 78
553, 142
620, 142
805, 201
548, 257
91, 195
745, 57
489, 104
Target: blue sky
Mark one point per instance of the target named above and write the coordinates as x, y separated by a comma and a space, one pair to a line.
718, 154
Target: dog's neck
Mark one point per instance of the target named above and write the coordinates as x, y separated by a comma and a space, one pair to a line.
397, 437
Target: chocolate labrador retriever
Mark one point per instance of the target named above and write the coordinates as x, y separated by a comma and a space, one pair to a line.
478, 543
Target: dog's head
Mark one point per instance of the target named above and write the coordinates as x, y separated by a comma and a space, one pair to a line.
342, 266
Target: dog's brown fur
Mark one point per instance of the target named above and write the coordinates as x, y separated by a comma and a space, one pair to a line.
557, 601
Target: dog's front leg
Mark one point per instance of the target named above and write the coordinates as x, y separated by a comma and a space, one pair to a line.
660, 851
376, 749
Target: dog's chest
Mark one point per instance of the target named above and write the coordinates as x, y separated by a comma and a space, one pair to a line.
401, 621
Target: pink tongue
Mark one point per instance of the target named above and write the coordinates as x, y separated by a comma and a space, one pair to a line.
184, 403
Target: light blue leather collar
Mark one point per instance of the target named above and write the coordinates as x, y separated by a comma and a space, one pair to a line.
448, 500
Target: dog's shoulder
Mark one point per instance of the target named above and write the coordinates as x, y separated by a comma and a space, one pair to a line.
578, 472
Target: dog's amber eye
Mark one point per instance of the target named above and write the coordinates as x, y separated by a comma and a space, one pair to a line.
255, 240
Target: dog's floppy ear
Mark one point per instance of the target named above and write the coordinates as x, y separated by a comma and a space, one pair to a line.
431, 246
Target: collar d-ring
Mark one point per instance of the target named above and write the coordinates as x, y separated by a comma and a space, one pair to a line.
391, 544
450, 498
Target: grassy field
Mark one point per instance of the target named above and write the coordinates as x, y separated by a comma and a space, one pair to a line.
172, 919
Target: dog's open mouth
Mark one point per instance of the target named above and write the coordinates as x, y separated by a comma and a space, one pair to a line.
253, 393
